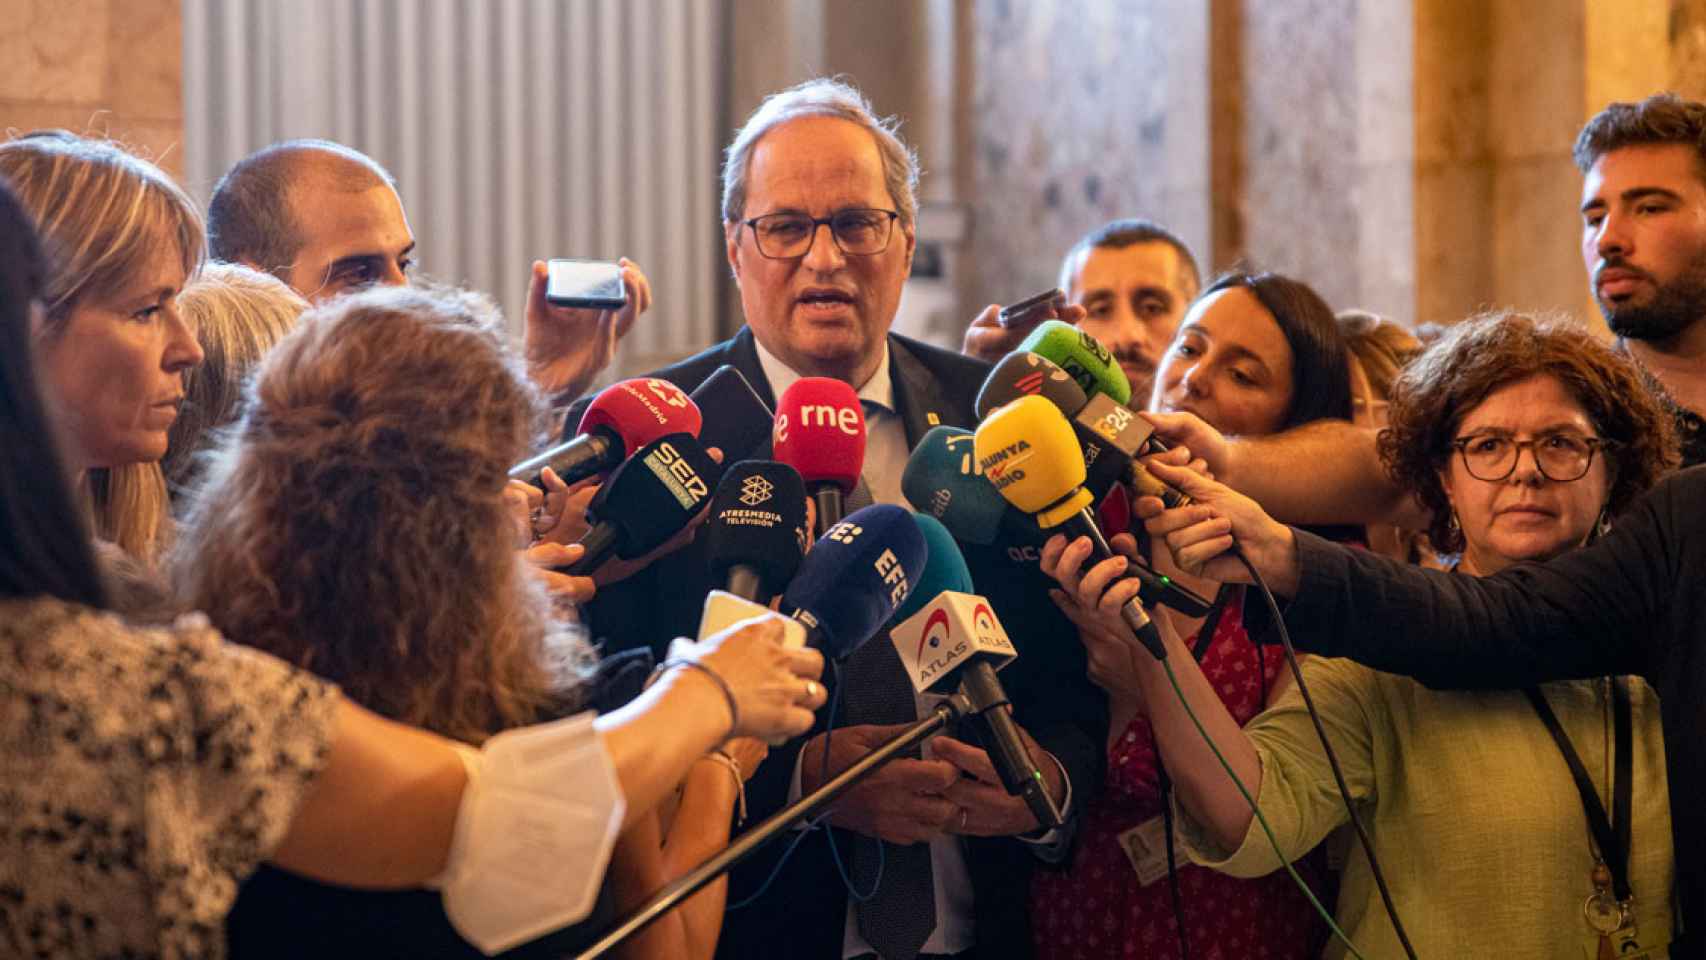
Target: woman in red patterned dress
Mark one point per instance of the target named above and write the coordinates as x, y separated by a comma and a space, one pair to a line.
1255, 354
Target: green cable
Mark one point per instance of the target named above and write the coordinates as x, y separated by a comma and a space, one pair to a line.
1266, 829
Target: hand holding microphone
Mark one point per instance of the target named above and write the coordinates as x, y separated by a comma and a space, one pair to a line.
1202, 534
623, 417
768, 690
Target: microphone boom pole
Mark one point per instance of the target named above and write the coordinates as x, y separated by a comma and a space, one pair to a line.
672, 894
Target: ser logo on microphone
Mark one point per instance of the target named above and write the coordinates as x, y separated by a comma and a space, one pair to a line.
667, 464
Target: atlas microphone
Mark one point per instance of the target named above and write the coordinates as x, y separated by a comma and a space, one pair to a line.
820, 431
1028, 451
651, 497
855, 576
623, 417
947, 638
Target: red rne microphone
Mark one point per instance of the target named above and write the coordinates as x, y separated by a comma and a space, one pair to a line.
820, 431
623, 418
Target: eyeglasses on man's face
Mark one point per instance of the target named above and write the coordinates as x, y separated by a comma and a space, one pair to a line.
857, 231
1561, 457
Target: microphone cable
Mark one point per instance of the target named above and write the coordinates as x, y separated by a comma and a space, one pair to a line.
817, 822
1332, 762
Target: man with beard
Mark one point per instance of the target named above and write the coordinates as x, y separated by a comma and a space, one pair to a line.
1133, 280
1644, 245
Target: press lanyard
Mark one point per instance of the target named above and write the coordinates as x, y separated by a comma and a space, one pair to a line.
1612, 835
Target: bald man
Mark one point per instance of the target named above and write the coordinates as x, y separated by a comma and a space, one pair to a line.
327, 219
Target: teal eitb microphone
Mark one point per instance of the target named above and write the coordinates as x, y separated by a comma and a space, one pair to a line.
1082, 357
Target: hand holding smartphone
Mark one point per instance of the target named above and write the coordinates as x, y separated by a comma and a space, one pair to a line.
1032, 310
585, 284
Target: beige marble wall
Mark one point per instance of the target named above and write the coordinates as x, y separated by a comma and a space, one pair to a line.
1081, 113
112, 67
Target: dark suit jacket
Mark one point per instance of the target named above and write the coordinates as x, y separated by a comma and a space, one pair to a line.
803, 913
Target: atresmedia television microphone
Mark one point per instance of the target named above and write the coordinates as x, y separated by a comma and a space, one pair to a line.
755, 535
1029, 452
650, 498
949, 638
621, 419
820, 431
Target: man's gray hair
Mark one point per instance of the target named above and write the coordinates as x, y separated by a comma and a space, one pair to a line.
822, 97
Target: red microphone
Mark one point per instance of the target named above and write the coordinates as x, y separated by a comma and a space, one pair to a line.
820, 431
623, 418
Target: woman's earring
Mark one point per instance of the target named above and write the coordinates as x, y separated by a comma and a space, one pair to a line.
1603, 525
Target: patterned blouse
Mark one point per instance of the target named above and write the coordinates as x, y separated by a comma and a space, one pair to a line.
143, 774
1099, 909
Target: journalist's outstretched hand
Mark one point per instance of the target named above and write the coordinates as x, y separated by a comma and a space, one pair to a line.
1200, 535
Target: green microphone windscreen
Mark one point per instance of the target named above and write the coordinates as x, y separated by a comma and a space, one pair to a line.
1081, 356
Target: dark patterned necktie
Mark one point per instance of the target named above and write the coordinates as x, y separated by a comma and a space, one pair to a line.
901, 914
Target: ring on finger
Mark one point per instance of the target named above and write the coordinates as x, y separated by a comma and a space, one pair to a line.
811, 689
965, 814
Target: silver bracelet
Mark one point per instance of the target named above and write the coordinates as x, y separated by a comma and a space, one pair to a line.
728, 694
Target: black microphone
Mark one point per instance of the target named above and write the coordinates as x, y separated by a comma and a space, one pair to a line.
755, 535
647, 500
736, 420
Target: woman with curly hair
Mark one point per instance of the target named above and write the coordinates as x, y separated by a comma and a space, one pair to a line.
1497, 815
145, 772
354, 524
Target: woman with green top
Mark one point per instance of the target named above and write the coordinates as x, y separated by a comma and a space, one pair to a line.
1513, 823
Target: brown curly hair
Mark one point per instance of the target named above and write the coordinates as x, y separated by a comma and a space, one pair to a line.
1489, 351
353, 522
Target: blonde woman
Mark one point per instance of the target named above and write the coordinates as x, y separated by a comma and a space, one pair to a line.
120, 241
237, 314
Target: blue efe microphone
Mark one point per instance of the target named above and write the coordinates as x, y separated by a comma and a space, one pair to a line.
855, 576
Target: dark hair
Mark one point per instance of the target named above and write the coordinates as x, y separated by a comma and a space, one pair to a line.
249, 219
1320, 364
47, 550
1663, 118
1128, 232
1438, 389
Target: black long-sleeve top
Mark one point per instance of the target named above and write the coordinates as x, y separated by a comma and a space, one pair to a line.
1632, 603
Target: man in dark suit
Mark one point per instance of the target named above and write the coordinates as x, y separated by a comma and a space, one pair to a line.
819, 212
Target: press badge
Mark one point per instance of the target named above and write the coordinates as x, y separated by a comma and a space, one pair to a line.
1145, 845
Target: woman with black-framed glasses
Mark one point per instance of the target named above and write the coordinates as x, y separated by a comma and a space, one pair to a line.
1519, 823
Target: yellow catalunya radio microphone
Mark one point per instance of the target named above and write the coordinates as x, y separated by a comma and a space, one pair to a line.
1029, 451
